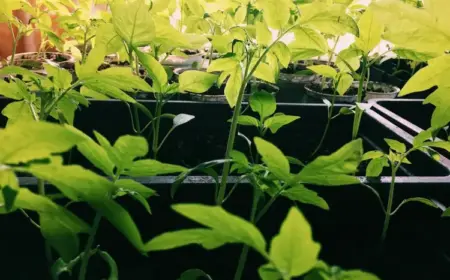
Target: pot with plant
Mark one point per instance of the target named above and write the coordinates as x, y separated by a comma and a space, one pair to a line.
41, 20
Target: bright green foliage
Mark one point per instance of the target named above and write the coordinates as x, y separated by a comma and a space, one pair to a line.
275, 160
293, 251
301, 194
335, 169
223, 228
196, 81
323, 271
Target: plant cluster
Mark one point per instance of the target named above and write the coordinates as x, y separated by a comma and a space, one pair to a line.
246, 42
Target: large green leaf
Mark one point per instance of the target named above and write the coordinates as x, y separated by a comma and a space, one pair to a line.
127, 148
335, 169
308, 42
328, 19
435, 74
441, 99
232, 227
276, 12
301, 194
263, 34
282, 52
207, 238
223, 64
149, 167
196, 81
133, 21
95, 153
370, 31
278, 121
275, 160
26, 141
107, 37
18, 111
263, 103
80, 184
423, 30
154, 69
293, 250
233, 86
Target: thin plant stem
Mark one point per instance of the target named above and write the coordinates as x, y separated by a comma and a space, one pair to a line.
330, 59
236, 113
87, 249
48, 248
359, 111
388, 214
83, 55
29, 218
245, 249
155, 144
15, 41
327, 126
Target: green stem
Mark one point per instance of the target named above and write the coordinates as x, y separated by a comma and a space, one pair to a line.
83, 55
327, 126
237, 111
48, 248
155, 144
87, 249
330, 59
359, 111
15, 41
388, 214
245, 249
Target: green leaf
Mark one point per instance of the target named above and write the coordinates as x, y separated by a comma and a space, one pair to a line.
435, 74
413, 55
133, 21
333, 170
328, 19
276, 12
263, 103
293, 251
345, 82
61, 237
107, 37
194, 274
10, 90
349, 57
396, 145
370, 31
372, 155
133, 186
232, 227
324, 70
233, 86
308, 43
282, 52
79, 184
248, 121
263, 34
95, 153
196, 81
223, 64
62, 78
268, 272
417, 199
375, 166
126, 149
154, 69
18, 111
278, 121
124, 79
265, 72
446, 213
239, 157
275, 160
441, 114
16, 70
149, 167
304, 195
207, 238
9, 195
26, 141
94, 60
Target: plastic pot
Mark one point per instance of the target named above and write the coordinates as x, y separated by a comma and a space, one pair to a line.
175, 61
374, 91
30, 60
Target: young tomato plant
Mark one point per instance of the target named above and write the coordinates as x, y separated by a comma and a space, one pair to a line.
35, 147
221, 227
339, 82
397, 156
